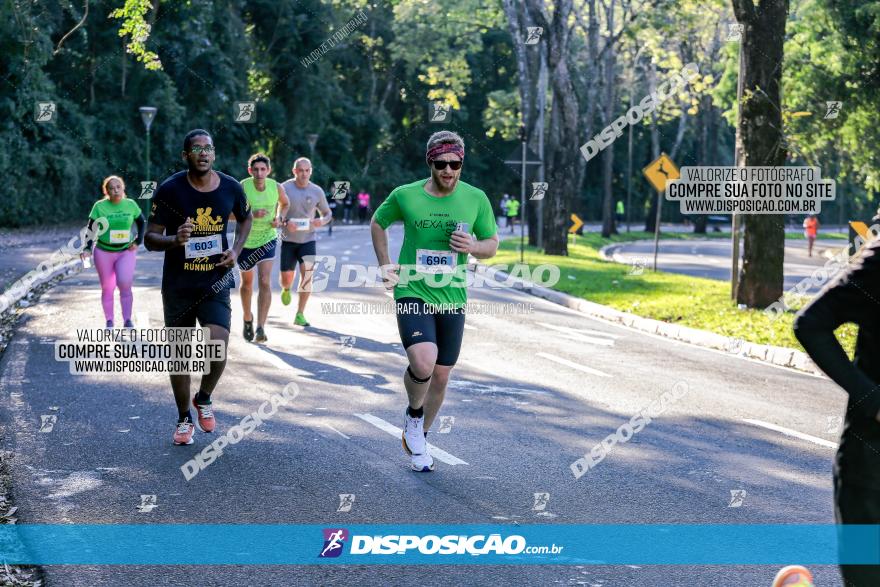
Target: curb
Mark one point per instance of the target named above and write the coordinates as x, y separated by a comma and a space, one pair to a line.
775, 355
607, 252
12, 301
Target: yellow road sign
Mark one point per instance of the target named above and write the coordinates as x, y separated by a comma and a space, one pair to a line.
660, 171
861, 229
577, 224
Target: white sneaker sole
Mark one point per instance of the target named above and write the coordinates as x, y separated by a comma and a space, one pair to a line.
200, 429
427, 469
191, 440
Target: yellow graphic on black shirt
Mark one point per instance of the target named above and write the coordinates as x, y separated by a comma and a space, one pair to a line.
204, 219
204, 223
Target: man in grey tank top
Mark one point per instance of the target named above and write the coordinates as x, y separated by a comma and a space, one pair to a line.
298, 234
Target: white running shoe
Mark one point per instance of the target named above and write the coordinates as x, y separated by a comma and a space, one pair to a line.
413, 436
422, 463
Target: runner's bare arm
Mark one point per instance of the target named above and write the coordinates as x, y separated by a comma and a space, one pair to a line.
243, 229
156, 240
380, 242
326, 213
390, 277
281, 208
481, 249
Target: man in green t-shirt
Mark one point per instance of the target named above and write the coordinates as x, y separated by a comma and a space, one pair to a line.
438, 214
269, 204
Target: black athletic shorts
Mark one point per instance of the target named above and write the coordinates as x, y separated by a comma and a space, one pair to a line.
250, 258
293, 253
417, 322
183, 308
857, 505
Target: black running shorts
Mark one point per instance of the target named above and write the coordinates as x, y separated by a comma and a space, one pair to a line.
183, 308
293, 253
417, 322
250, 258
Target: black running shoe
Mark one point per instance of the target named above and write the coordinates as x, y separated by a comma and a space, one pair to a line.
249, 330
261, 335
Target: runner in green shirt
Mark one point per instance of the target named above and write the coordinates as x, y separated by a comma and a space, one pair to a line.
512, 213
444, 220
116, 248
269, 204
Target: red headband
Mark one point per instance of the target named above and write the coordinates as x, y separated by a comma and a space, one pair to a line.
443, 148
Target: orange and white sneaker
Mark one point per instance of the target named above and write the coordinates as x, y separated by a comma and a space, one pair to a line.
205, 416
183, 432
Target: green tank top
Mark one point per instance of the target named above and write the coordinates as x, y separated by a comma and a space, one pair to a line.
262, 230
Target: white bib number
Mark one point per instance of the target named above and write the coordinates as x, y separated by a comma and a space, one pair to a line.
118, 237
301, 223
203, 246
428, 261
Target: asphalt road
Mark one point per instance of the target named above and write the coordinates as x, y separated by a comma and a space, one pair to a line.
533, 392
711, 258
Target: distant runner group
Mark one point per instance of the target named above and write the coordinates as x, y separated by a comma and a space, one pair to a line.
444, 220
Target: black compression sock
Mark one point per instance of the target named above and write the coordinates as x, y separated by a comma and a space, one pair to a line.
184, 416
202, 399
415, 413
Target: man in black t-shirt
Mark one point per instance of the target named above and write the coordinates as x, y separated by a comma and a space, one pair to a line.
853, 297
188, 221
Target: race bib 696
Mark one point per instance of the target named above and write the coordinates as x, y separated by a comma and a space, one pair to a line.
428, 261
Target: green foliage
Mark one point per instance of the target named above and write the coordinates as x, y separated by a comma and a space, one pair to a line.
135, 26
367, 96
693, 302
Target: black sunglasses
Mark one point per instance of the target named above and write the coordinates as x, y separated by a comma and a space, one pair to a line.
441, 165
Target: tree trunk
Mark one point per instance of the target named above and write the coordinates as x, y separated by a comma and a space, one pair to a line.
651, 219
610, 66
538, 134
704, 121
518, 21
124, 68
564, 139
760, 140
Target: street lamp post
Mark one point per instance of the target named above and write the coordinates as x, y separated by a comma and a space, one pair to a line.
522, 196
148, 113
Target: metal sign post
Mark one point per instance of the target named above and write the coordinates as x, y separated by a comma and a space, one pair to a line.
658, 172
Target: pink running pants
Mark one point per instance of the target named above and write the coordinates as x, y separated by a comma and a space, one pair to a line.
116, 270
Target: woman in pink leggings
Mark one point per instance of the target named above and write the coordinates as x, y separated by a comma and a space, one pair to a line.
115, 250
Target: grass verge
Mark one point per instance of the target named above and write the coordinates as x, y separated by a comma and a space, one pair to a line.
690, 301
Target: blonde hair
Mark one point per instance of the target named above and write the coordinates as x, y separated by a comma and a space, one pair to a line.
107, 180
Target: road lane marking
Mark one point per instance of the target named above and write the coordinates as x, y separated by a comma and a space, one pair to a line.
335, 430
269, 356
438, 453
580, 330
469, 327
573, 365
575, 334
794, 433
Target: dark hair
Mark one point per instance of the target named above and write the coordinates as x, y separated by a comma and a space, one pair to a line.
257, 158
198, 132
